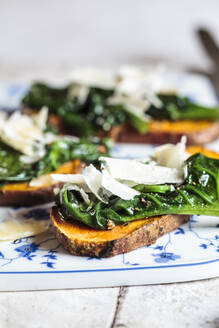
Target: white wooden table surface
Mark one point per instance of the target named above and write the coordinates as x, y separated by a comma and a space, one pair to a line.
40, 40
194, 304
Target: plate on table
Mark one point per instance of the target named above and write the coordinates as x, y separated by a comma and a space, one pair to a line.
189, 253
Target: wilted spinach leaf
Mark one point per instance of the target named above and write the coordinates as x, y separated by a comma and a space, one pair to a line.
199, 194
176, 108
12, 169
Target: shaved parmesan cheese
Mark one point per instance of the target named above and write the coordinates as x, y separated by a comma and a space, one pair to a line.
94, 77
96, 182
139, 173
93, 179
68, 178
25, 134
20, 132
141, 84
117, 188
78, 91
130, 72
43, 180
41, 118
135, 88
89, 181
15, 224
29, 159
131, 104
118, 176
12, 229
136, 91
152, 78
172, 156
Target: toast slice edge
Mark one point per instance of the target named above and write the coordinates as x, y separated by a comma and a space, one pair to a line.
74, 236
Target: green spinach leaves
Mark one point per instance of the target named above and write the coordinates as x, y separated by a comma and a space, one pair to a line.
12, 169
41, 95
96, 114
93, 115
176, 108
199, 194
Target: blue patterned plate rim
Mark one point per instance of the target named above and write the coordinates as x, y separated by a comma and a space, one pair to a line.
115, 269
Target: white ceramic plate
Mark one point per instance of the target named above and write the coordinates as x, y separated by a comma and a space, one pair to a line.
189, 253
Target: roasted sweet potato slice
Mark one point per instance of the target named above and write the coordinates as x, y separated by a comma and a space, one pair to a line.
197, 132
21, 194
81, 240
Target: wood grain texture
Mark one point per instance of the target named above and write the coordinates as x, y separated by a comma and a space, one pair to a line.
90, 308
192, 305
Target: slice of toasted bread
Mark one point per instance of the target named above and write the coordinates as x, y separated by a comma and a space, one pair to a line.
197, 132
81, 240
21, 194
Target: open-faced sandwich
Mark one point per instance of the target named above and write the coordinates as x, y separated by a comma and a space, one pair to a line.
128, 204
128, 106
29, 153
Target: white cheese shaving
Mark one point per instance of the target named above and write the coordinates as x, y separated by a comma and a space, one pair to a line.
43, 180
29, 159
78, 91
41, 118
128, 72
14, 225
141, 84
71, 178
136, 172
131, 104
136, 88
94, 77
117, 188
93, 180
89, 182
99, 183
118, 176
25, 134
132, 79
172, 156
12, 229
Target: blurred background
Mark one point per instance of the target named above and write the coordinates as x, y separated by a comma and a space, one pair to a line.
48, 38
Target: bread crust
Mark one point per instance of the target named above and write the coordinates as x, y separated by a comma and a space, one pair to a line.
28, 197
123, 239
23, 195
81, 240
126, 134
